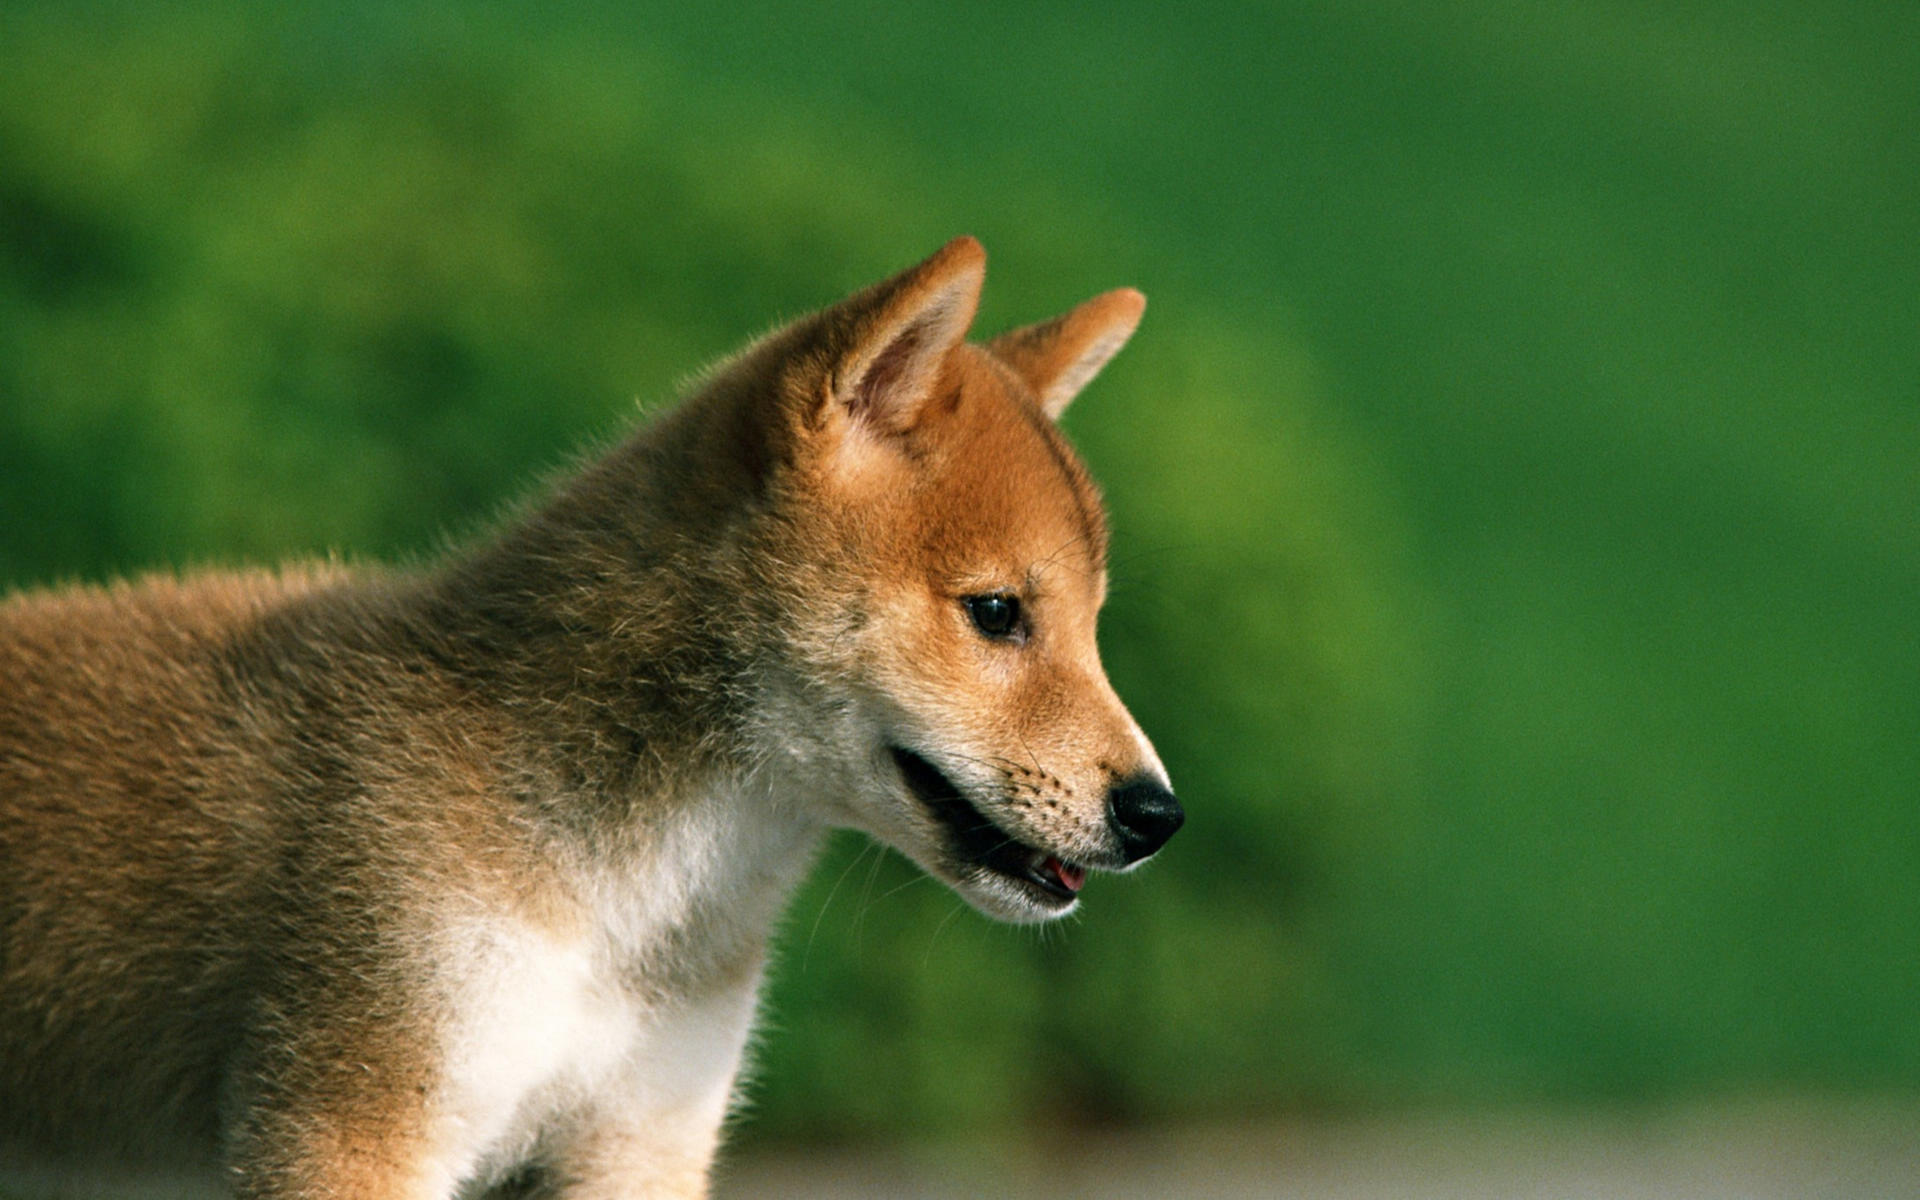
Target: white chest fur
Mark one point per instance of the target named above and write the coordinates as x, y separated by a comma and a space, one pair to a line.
639, 1018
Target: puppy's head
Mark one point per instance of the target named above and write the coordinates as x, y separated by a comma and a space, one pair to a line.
943, 553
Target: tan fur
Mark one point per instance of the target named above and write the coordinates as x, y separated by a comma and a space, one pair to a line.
366, 883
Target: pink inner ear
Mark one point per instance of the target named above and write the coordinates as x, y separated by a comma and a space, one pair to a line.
877, 397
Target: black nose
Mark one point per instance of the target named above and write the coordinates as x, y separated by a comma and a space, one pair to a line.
1144, 815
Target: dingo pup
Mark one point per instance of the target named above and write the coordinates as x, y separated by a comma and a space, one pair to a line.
458, 880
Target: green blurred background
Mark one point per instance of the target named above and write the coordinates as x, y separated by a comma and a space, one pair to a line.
1515, 479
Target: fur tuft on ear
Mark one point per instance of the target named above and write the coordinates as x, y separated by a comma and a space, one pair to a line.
899, 332
1059, 357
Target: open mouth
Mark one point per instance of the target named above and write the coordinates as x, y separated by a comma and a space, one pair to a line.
979, 840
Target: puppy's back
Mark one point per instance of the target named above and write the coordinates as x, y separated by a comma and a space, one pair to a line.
134, 833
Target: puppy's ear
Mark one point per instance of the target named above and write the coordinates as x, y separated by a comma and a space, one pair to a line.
891, 341
1059, 357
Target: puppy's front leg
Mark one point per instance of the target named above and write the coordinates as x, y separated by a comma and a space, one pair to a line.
652, 1132
633, 1156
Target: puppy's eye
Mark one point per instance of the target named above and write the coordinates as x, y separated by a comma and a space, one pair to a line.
997, 615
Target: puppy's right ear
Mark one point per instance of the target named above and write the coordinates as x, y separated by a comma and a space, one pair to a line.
889, 344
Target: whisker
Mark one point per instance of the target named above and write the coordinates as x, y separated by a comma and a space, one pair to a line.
959, 907
917, 877
806, 956
866, 902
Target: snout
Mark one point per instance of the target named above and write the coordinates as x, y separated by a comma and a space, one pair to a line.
1143, 815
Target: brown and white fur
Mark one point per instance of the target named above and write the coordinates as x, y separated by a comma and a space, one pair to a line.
458, 880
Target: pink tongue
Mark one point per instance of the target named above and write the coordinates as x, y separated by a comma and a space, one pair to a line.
1070, 877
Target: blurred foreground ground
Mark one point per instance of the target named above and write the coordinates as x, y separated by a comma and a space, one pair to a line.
1749, 1151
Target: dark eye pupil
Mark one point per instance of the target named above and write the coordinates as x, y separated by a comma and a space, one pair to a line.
995, 616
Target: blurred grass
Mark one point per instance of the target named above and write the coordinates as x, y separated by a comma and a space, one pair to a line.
1514, 480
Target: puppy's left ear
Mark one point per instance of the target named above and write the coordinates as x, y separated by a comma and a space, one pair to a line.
1059, 357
